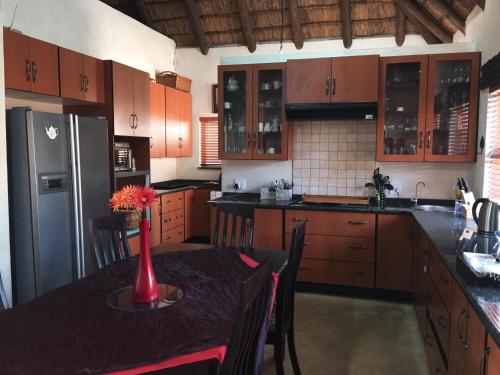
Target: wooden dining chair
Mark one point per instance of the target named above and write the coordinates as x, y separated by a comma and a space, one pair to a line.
255, 296
239, 231
282, 325
109, 239
4, 304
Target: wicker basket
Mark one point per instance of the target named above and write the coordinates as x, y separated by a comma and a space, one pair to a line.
132, 218
171, 79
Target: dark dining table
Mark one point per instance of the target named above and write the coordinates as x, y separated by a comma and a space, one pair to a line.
72, 330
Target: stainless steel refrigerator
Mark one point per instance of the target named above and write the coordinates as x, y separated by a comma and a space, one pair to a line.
58, 178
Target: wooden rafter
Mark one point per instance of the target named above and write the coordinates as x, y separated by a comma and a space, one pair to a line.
345, 11
400, 27
481, 3
414, 12
246, 26
296, 24
429, 37
145, 14
192, 10
447, 12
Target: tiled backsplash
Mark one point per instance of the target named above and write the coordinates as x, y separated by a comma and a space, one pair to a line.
333, 157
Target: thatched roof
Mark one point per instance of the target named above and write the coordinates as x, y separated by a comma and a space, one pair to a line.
206, 23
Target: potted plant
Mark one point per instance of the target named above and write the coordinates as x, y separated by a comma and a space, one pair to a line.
134, 200
380, 184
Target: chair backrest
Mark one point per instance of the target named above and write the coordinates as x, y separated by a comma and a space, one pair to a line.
4, 304
255, 301
286, 286
109, 238
240, 230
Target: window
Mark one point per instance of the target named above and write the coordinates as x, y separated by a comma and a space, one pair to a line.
492, 161
209, 142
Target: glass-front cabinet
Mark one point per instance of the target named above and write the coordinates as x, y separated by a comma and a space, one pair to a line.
401, 113
251, 112
452, 103
428, 108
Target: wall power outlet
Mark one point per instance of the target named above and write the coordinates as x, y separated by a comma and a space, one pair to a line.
240, 184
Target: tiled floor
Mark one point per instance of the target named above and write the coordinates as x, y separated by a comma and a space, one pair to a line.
352, 336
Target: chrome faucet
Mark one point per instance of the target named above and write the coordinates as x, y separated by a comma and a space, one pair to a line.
415, 200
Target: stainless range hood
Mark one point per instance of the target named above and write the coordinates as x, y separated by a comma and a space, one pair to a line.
331, 111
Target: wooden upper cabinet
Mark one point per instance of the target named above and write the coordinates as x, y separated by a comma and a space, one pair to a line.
17, 61
493, 361
308, 80
172, 103
452, 105
131, 105
71, 74
123, 99
141, 103
394, 252
157, 105
30, 64
185, 123
81, 76
354, 79
93, 71
402, 108
44, 67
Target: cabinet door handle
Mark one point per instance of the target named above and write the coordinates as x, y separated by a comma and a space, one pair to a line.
254, 140
484, 361
334, 85
357, 247
420, 139
441, 324
34, 72
151, 142
136, 121
81, 82
28, 70
307, 244
179, 142
462, 318
131, 120
249, 139
357, 222
327, 86
86, 80
301, 219
428, 145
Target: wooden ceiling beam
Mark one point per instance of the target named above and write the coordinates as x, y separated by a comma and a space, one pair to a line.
481, 3
246, 26
145, 13
345, 13
447, 12
429, 37
296, 24
414, 12
400, 27
192, 10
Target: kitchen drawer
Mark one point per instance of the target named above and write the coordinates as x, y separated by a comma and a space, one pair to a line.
172, 219
134, 244
350, 249
173, 201
338, 273
441, 278
434, 358
439, 317
353, 224
175, 235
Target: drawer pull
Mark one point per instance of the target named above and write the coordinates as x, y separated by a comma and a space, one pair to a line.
179, 233
357, 222
441, 324
357, 247
307, 244
357, 273
301, 219
443, 279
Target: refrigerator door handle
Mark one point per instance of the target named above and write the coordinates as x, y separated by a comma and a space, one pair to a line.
77, 199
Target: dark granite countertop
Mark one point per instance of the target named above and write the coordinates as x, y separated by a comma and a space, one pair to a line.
172, 186
444, 231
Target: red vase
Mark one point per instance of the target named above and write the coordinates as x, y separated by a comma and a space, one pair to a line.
145, 286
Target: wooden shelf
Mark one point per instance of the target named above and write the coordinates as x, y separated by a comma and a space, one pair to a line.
120, 174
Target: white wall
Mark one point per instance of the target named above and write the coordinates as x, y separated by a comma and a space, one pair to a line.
93, 28
203, 71
483, 28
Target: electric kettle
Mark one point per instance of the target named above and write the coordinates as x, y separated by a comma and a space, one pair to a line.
487, 221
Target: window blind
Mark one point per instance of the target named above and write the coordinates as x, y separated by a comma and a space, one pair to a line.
209, 142
492, 161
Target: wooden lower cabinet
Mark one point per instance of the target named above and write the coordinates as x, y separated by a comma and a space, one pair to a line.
175, 235
189, 213
268, 229
134, 244
336, 272
492, 366
173, 217
434, 358
200, 216
441, 277
155, 233
172, 201
394, 252
440, 318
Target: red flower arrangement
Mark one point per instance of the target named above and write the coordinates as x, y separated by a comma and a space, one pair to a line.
133, 199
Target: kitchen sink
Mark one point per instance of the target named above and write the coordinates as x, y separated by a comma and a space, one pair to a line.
432, 208
483, 264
